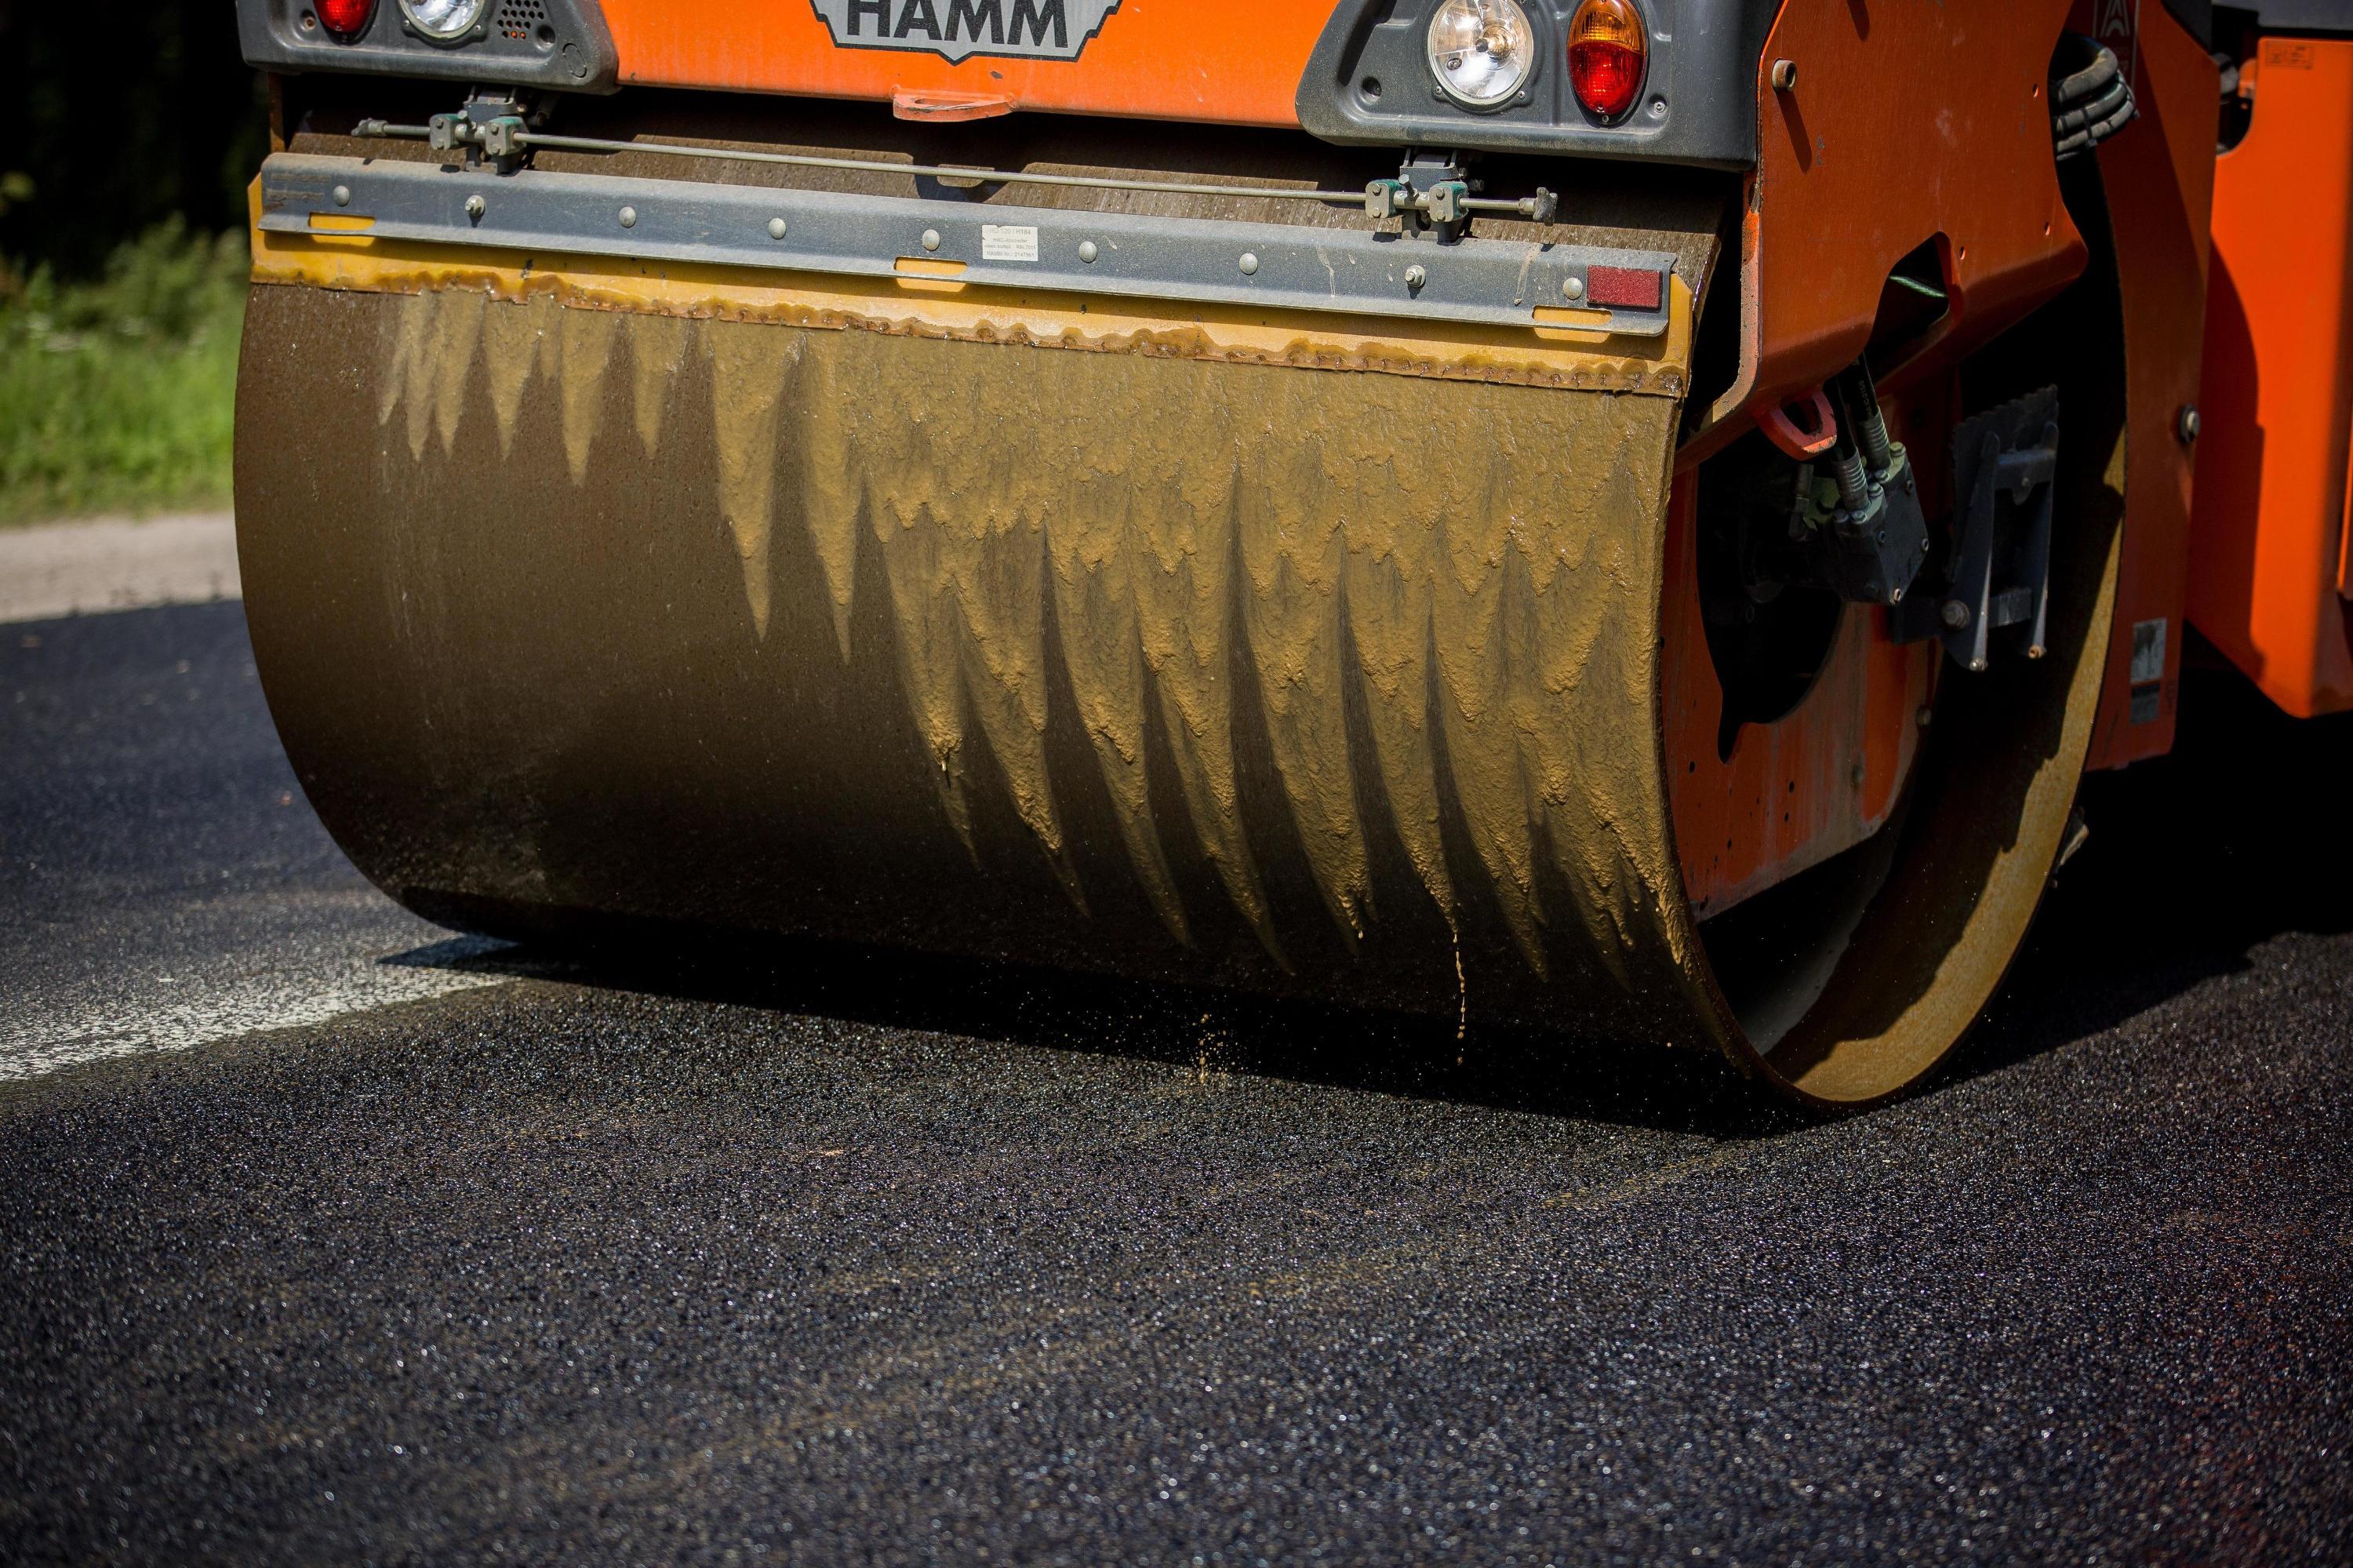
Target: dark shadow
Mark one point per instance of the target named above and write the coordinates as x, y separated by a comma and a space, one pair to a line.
1200, 1028
2194, 860
1793, 120
2229, 495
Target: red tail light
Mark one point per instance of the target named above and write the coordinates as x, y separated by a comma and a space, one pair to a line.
345, 18
1607, 51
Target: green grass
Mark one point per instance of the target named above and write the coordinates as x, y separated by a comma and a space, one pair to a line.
117, 395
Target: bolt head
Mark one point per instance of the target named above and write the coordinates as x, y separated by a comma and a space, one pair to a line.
2188, 423
1087, 251
1250, 263
342, 194
1926, 716
1572, 288
1416, 276
476, 206
1856, 775
931, 240
777, 228
1955, 614
628, 218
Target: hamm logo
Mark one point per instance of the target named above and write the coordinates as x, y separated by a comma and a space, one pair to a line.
1027, 29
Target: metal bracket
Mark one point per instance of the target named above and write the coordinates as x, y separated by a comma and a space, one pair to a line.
1998, 571
1292, 267
1438, 195
495, 124
1858, 508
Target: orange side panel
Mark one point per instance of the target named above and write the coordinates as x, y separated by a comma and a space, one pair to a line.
2158, 174
1235, 62
2267, 539
1907, 122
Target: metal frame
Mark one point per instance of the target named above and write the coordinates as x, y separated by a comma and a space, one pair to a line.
1288, 267
569, 48
1698, 103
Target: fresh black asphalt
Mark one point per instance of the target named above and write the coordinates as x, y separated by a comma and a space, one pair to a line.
842, 1257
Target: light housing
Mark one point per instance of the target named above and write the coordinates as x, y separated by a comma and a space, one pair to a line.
443, 21
345, 18
1482, 52
1609, 49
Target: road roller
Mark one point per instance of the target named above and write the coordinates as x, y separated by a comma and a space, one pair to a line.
1626, 518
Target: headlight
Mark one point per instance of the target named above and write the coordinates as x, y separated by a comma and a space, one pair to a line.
1481, 51
443, 19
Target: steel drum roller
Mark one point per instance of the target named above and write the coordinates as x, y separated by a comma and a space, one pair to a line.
580, 595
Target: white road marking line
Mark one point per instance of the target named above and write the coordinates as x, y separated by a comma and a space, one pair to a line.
85, 568
33, 1046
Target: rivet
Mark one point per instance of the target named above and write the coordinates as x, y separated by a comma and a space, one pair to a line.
628, 218
1572, 288
931, 240
1856, 775
1977, 665
1416, 276
1087, 251
342, 195
2186, 424
475, 207
776, 227
1250, 263
1926, 716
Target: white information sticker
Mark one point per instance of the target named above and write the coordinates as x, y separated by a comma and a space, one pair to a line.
1007, 242
2148, 650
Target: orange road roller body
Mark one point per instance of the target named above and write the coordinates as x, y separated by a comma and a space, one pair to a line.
1632, 517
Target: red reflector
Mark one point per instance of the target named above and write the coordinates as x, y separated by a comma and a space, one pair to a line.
1627, 287
345, 18
1607, 51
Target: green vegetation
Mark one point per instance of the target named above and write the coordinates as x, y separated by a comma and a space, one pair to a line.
116, 395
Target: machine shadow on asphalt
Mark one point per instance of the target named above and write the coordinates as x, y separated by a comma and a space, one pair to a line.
2158, 900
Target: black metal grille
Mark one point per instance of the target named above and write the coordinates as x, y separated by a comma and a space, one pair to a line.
518, 19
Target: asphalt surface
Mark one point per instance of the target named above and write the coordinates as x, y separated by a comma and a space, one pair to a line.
473, 1256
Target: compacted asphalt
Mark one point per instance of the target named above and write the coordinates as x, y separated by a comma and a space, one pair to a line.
326, 1236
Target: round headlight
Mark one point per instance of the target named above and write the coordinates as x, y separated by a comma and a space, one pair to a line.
1481, 51
443, 19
